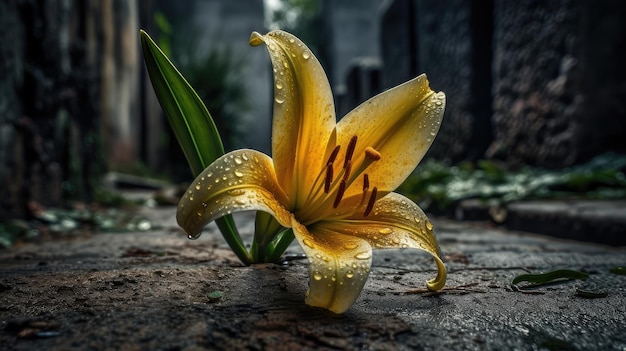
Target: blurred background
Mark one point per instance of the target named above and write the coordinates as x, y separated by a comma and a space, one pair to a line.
536, 90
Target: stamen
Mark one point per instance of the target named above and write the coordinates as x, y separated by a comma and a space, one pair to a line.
333, 155
372, 153
366, 182
370, 203
348, 168
350, 151
329, 177
340, 191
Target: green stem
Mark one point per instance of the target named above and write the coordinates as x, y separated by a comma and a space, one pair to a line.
266, 229
229, 231
279, 245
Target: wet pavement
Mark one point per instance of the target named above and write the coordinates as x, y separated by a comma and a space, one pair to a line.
156, 290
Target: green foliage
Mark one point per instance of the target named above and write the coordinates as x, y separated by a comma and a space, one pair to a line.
192, 124
437, 186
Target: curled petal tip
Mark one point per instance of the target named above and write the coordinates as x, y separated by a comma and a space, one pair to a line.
439, 281
256, 39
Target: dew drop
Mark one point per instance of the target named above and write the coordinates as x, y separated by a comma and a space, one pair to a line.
417, 220
308, 243
385, 231
279, 100
349, 274
238, 160
191, 198
350, 246
238, 174
236, 192
306, 55
429, 225
245, 157
363, 255
204, 204
317, 276
193, 237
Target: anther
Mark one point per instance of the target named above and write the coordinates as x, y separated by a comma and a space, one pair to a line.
372, 153
370, 203
349, 151
366, 182
329, 177
333, 155
348, 168
340, 191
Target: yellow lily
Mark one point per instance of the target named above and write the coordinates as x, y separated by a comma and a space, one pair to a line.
331, 182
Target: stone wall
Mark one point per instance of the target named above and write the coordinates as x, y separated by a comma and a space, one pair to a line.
536, 82
57, 60
527, 82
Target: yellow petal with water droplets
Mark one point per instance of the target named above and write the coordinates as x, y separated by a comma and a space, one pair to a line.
240, 180
400, 124
338, 267
395, 222
304, 113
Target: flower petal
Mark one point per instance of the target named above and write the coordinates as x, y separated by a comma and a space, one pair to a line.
339, 266
395, 222
304, 113
240, 180
400, 124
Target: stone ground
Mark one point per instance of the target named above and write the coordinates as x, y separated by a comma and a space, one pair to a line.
156, 290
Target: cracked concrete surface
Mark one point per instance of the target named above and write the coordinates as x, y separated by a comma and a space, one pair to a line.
159, 291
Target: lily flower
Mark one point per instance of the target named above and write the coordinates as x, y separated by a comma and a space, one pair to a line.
330, 182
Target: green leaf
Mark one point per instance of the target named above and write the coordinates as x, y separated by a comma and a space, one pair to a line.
549, 277
192, 124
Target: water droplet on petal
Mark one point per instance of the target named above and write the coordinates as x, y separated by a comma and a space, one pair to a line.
244, 156
385, 231
236, 192
198, 186
279, 100
238, 160
429, 225
349, 274
238, 174
308, 243
317, 276
350, 246
363, 255
306, 54
193, 237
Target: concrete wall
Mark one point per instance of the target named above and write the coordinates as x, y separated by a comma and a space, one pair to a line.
528, 82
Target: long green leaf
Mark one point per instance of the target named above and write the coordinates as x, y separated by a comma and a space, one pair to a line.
187, 114
192, 124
